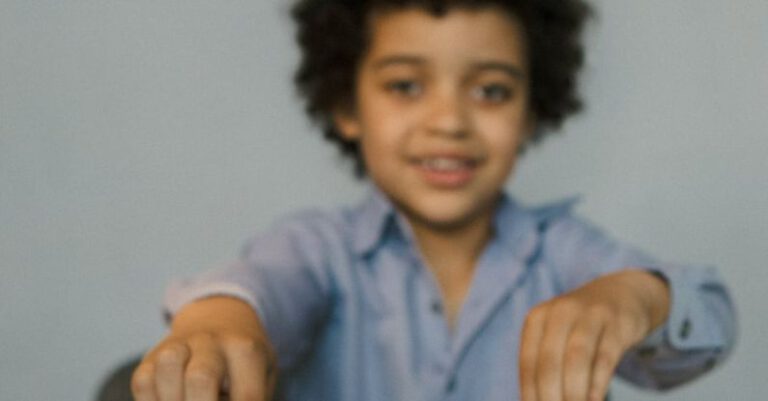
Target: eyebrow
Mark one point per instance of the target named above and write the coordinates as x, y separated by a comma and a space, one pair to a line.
399, 59
510, 69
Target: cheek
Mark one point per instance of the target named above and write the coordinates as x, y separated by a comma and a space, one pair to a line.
502, 142
381, 148
504, 137
385, 137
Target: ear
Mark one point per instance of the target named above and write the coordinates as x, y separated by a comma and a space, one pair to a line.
347, 124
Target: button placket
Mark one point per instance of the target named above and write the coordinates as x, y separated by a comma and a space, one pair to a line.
436, 339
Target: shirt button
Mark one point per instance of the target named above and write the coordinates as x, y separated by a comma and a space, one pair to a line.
437, 307
685, 329
451, 387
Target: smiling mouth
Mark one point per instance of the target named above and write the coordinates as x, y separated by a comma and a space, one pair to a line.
447, 172
447, 164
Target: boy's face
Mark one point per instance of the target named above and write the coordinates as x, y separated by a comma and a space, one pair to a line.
441, 111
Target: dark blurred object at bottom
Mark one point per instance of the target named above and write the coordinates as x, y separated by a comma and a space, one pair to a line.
117, 386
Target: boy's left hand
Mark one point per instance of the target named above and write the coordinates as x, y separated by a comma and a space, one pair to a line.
572, 344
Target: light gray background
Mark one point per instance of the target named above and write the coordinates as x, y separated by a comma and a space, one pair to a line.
142, 140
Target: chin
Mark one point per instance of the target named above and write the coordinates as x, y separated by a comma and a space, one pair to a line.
445, 218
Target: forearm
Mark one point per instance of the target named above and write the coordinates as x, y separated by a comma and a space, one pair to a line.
571, 344
652, 291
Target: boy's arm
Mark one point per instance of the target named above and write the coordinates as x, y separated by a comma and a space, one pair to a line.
700, 329
280, 290
215, 344
284, 275
572, 344
698, 335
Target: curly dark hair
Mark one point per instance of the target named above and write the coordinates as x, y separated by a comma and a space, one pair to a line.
333, 37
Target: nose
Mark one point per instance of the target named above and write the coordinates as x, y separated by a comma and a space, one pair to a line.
448, 115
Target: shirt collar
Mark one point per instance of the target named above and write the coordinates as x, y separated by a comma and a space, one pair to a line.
513, 227
516, 227
371, 219
519, 228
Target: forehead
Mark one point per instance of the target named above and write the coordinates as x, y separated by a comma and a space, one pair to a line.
460, 34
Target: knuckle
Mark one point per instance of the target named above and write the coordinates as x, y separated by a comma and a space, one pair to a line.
573, 394
248, 347
569, 304
541, 309
142, 380
631, 328
578, 346
242, 344
201, 377
531, 318
547, 360
204, 337
600, 311
566, 309
527, 359
605, 359
615, 341
173, 353
536, 315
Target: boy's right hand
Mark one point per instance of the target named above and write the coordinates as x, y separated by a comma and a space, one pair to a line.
216, 345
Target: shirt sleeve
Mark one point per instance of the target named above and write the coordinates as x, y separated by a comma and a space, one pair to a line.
700, 331
283, 275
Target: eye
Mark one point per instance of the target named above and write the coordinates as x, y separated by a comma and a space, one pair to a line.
493, 93
404, 87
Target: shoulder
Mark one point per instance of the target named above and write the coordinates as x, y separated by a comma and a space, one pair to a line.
313, 235
580, 249
550, 218
315, 222
561, 232
550, 213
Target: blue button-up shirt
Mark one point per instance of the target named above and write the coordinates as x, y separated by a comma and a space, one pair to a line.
354, 314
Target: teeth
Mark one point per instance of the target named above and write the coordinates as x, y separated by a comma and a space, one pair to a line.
444, 164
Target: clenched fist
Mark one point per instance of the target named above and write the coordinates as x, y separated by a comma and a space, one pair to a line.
572, 344
216, 346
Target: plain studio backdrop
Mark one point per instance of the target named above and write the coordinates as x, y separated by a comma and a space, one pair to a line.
143, 140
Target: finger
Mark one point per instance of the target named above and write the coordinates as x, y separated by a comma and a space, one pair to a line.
205, 371
549, 368
580, 352
170, 361
250, 370
143, 382
607, 357
529, 352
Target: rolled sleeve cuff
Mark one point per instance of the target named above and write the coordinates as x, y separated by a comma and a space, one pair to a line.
183, 292
690, 325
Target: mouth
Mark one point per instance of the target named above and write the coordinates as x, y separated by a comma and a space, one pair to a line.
447, 171
447, 164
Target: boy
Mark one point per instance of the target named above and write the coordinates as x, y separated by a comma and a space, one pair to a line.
439, 286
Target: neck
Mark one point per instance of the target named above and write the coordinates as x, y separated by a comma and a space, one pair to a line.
451, 255
455, 247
